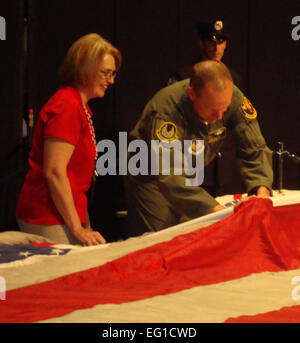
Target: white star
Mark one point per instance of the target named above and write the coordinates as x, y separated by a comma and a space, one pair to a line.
24, 253
56, 251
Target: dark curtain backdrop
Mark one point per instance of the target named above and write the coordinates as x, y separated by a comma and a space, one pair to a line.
12, 149
11, 91
155, 37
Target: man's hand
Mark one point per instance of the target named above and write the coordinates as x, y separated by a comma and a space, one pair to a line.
217, 208
263, 192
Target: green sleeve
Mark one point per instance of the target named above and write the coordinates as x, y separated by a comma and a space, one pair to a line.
190, 201
254, 156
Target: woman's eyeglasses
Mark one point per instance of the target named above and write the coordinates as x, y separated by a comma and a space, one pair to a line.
108, 74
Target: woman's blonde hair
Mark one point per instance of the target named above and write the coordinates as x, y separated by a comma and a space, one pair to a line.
81, 63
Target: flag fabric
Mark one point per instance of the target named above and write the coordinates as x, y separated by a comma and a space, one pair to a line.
257, 239
285, 315
22, 254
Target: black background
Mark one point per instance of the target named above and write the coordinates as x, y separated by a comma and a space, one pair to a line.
154, 37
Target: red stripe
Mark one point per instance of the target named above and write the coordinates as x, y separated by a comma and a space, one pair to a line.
255, 239
284, 315
43, 244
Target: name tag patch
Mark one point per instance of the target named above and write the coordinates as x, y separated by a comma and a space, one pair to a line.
216, 135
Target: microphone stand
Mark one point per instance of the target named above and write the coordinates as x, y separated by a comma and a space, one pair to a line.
280, 152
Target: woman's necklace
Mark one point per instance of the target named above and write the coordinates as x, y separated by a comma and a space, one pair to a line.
92, 131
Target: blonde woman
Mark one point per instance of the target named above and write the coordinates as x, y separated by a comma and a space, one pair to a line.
52, 202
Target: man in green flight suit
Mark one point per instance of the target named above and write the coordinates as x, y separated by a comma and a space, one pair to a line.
204, 107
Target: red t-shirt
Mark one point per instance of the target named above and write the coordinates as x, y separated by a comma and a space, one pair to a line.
62, 117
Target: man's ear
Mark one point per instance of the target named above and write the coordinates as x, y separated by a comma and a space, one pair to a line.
191, 93
200, 44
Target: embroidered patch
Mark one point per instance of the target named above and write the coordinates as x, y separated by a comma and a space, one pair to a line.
216, 135
248, 110
167, 132
196, 147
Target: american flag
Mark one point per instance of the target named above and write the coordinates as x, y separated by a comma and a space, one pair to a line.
19, 252
239, 269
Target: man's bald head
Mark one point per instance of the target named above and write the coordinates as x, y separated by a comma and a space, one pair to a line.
210, 71
210, 90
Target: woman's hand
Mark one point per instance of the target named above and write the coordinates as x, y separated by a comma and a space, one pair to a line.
86, 236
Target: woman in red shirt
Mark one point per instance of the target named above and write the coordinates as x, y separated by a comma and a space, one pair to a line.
52, 201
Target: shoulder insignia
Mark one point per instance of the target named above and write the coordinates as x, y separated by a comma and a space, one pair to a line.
196, 147
248, 110
167, 132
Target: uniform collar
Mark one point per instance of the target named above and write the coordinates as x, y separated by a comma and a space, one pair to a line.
190, 115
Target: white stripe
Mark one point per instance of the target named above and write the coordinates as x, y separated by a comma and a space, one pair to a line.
251, 295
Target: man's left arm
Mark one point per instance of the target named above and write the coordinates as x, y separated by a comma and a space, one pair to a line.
254, 156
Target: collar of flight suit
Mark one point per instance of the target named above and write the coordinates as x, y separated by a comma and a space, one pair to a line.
195, 123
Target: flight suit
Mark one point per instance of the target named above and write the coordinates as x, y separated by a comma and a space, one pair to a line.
217, 182
155, 202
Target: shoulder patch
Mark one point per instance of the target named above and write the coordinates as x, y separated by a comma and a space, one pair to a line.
167, 132
248, 110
